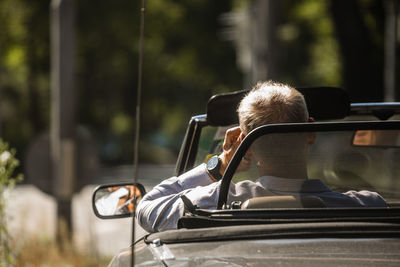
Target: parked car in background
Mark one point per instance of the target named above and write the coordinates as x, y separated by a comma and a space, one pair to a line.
357, 147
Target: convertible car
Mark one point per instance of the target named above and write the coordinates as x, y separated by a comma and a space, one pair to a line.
351, 147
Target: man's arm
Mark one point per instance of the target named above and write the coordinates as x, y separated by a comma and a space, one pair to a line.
161, 208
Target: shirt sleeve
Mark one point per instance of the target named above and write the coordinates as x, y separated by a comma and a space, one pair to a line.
161, 208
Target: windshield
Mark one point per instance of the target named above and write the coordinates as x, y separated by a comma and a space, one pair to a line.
341, 160
210, 144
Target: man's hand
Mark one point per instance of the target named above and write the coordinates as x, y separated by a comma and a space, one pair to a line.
233, 138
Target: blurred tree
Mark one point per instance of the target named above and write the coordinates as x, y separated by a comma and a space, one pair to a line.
309, 54
334, 43
24, 59
359, 28
185, 63
302, 49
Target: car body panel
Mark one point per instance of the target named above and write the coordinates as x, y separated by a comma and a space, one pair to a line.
276, 252
284, 237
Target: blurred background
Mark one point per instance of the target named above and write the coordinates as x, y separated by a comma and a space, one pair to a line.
69, 78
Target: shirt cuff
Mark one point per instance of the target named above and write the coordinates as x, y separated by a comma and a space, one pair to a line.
196, 177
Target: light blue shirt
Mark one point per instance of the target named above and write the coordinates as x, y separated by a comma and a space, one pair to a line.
161, 208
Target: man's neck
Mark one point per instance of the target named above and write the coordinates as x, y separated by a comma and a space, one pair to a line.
285, 170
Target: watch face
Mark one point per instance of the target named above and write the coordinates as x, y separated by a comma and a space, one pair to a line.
212, 163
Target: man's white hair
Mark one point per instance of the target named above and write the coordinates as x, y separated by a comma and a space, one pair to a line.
271, 102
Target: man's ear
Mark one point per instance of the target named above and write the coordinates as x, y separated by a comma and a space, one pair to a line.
312, 137
241, 136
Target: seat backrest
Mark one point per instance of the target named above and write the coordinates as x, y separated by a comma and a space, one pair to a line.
323, 103
267, 202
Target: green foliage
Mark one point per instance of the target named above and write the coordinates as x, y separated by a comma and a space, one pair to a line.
24, 70
309, 52
8, 164
185, 62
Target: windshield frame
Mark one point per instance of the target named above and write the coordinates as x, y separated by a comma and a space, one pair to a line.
290, 128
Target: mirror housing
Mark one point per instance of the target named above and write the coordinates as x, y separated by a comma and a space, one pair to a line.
117, 200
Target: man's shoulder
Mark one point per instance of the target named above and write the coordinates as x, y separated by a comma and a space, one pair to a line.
353, 198
367, 198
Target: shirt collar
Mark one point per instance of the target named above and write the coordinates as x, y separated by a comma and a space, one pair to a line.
273, 183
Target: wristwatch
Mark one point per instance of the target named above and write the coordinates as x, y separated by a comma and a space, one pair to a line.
213, 165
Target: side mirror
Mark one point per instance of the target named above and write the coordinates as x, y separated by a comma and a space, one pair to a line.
117, 200
377, 138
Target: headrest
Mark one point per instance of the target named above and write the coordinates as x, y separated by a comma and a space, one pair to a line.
323, 103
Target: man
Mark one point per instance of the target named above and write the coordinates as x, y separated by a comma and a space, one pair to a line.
266, 103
